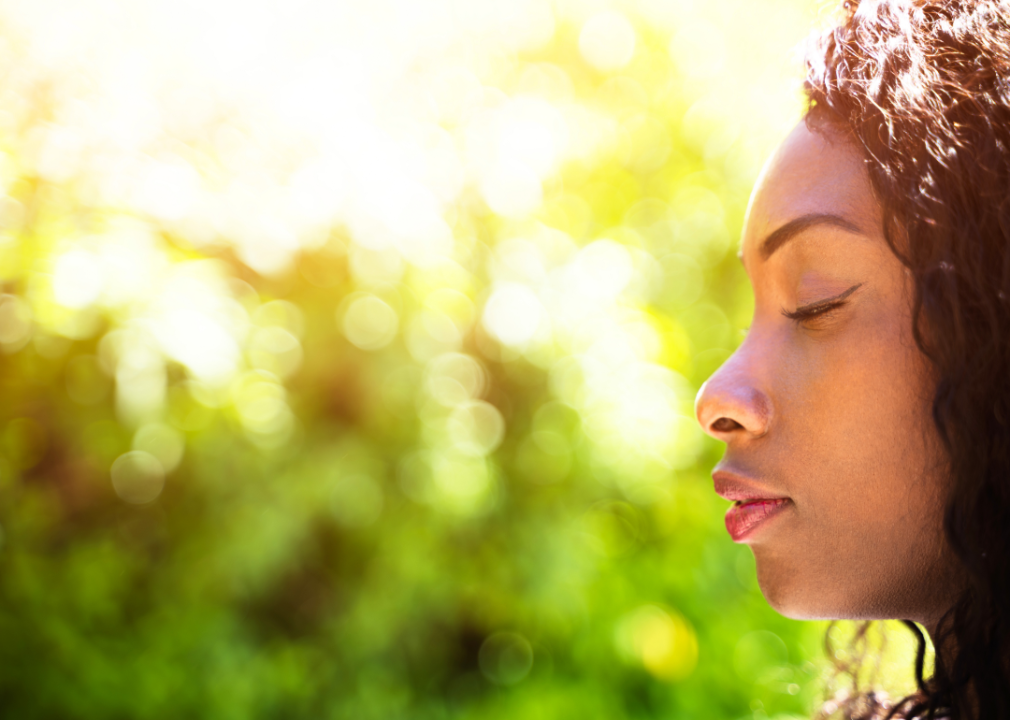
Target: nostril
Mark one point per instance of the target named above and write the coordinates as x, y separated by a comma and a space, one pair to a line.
725, 425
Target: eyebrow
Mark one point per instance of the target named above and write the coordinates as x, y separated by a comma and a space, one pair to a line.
794, 227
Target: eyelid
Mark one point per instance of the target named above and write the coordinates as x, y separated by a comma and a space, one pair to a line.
827, 303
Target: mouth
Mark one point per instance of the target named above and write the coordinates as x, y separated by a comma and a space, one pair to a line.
753, 506
745, 517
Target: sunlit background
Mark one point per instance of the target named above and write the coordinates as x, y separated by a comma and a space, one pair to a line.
349, 352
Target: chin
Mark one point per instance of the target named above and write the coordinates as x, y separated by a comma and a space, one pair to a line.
786, 602
800, 596
808, 594
796, 608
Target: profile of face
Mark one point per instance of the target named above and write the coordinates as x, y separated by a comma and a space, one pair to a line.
832, 461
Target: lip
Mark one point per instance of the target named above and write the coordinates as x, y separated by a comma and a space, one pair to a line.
753, 506
743, 519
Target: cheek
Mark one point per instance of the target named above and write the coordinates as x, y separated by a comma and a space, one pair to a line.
858, 454
858, 406
866, 406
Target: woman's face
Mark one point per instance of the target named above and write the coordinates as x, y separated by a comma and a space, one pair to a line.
832, 460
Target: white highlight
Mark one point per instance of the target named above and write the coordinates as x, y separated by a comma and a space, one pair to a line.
607, 41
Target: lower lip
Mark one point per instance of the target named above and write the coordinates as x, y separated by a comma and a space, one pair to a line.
744, 519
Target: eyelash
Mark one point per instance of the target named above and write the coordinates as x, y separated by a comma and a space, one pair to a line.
815, 310
803, 314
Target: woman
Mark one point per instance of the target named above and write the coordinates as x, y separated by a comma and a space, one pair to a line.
867, 414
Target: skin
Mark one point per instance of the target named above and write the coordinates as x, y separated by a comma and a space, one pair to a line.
832, 411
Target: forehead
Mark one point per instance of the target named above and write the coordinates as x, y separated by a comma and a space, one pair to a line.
810, 173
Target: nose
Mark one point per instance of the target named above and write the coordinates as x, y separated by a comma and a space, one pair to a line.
731, 404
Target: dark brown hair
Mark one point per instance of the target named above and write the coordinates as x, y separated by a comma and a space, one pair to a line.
924, 89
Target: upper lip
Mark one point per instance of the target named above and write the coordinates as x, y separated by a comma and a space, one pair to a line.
731, 486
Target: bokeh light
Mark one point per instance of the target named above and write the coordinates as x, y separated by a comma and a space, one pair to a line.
138, 477
660, 640
349, 353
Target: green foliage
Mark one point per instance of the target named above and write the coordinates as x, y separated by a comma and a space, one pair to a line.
371, 481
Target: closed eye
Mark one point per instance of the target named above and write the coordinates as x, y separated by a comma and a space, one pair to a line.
806, 312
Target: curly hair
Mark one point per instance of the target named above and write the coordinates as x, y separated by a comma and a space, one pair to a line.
924, 89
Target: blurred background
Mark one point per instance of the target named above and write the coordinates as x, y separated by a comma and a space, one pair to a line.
349, 352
